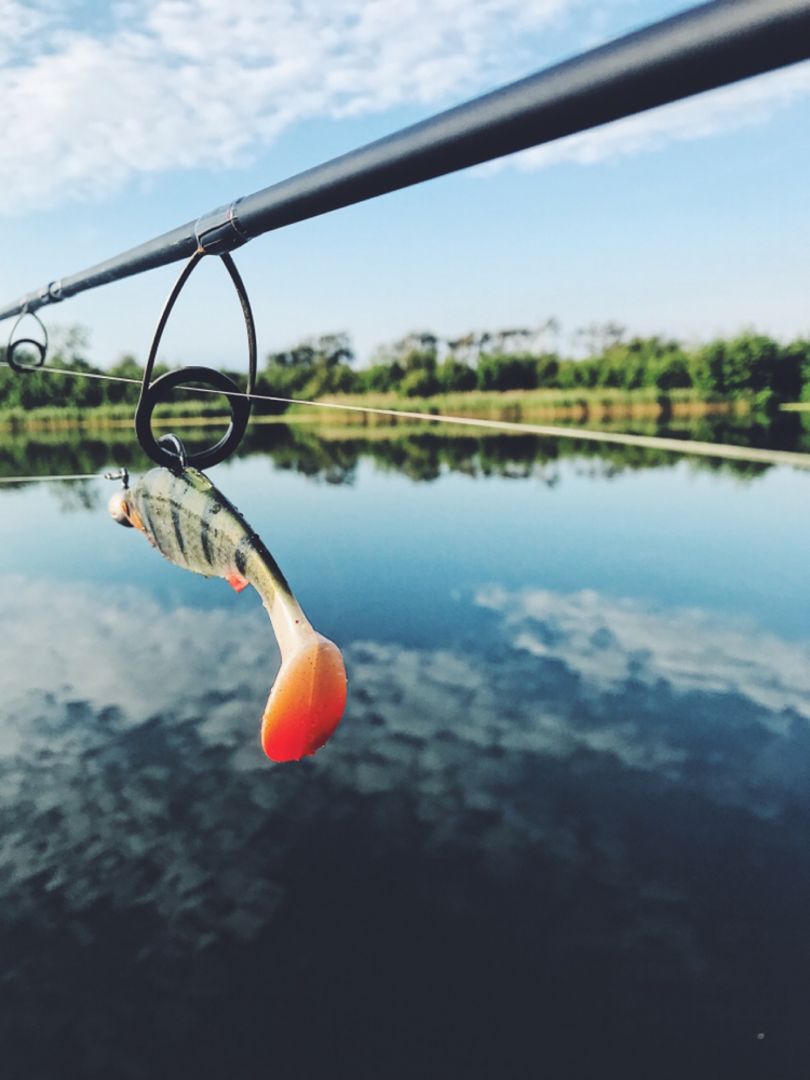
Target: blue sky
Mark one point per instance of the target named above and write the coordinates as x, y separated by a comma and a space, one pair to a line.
122, 120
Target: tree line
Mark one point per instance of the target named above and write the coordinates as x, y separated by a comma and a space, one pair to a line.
422, 364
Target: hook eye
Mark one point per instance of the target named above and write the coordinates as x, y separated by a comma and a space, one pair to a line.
201, 459
177, 447
41, 347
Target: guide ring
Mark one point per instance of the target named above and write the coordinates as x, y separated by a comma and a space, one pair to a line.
40, 346
240, 403
201, 459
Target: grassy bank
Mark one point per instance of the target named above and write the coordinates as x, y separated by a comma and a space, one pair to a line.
594, 406
598, 407
190, 413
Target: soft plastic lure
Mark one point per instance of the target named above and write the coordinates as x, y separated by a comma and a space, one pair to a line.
192, 523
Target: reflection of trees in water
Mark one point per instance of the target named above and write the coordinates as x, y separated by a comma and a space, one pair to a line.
78, 495
54, 453
423, 454
304, 453
420, 455
780, 431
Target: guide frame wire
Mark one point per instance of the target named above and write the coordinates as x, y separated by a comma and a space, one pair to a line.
239, 403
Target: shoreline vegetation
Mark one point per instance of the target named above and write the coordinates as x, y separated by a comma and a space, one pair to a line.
600, 408
505, 375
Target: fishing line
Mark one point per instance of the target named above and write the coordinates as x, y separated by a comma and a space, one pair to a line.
63, 476
727, 451
85, 374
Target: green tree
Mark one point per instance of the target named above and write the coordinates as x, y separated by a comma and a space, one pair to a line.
454, 376
671, 371
315, 366
497, 372
334, 379
126, 367
801, 351
752, 364
419, 382
381, 378
547, 367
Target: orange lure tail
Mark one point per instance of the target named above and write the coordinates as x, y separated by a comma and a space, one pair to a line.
307, 699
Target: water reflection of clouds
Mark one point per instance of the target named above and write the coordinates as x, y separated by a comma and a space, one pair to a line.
135, 661
131, 770
608, 642
549, 678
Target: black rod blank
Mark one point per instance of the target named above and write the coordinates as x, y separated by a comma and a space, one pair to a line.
703, 48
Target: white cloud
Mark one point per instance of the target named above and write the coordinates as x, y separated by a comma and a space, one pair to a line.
176, 84
180, 84
728, 109
21, 24
607, 642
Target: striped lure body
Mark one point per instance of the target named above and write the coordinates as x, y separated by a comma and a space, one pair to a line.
190, 522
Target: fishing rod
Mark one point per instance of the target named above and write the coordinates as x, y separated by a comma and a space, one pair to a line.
700, 49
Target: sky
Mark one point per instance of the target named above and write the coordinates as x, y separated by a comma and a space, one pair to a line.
123, 120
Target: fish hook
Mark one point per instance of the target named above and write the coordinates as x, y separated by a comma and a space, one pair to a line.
216, 380
40, 346
178, 449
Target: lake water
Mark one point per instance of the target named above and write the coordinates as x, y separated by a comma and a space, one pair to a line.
561, 832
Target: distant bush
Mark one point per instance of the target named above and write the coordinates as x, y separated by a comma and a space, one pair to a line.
455, 377
419, 383
749, 364
507, 372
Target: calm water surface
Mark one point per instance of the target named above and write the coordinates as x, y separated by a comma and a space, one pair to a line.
562, 831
